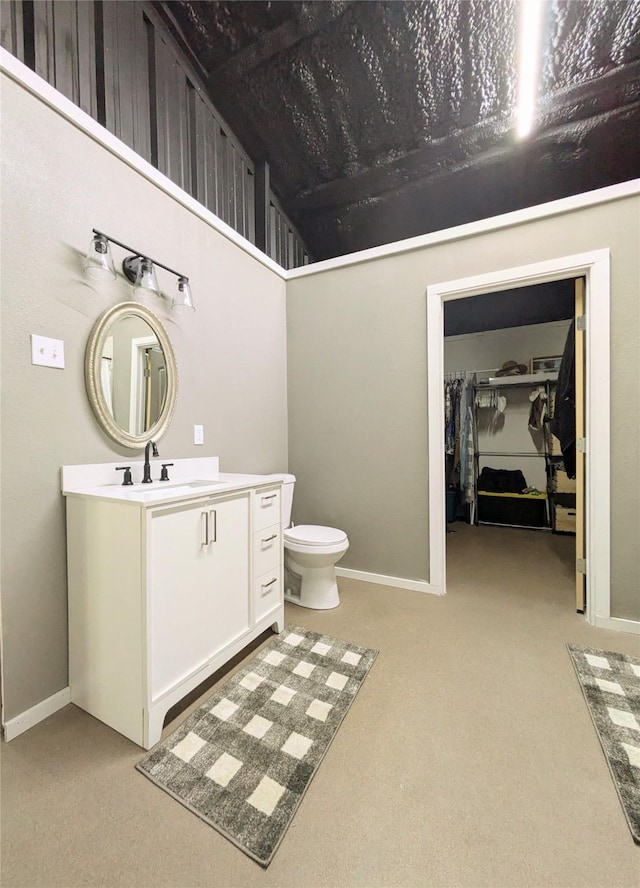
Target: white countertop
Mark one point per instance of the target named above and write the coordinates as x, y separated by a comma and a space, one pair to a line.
196, 482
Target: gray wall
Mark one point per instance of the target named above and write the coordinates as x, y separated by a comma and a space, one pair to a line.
57, 184
357, 361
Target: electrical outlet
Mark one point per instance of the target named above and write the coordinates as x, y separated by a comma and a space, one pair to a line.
198, 434
47, 352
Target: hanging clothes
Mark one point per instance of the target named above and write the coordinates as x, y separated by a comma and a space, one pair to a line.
460, 436
538, 411
487, 399
467, 448
563, 424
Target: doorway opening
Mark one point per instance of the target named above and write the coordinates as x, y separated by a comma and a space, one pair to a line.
594, 269
514, 496
148, 383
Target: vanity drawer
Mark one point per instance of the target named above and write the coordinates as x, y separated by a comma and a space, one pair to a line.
266, 508
267, 592
267, 549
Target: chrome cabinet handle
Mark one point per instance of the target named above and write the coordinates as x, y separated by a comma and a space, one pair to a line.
274, 536
270, 583
269, 496
206, 529
215, 526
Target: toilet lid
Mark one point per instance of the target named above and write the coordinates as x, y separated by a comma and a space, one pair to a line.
314, 535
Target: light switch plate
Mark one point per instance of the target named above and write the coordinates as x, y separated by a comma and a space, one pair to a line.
198, 434
47, 352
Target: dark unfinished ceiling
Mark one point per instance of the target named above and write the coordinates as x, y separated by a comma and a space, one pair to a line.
520, 307
385, 120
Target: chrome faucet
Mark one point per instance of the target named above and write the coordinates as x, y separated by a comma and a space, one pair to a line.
147, 479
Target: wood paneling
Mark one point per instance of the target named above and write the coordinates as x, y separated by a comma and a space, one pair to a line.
206, 136
65, 50
172, 110
12, 29
43, 41
126, 75
282, 242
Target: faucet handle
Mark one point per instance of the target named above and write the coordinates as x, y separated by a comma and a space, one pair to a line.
127, 475
164, 475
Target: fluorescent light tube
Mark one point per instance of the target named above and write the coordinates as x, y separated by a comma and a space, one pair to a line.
529, 47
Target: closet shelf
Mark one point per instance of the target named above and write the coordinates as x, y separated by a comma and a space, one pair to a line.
527, 379
519, 496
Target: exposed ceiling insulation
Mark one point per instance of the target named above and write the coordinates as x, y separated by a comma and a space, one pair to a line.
383, 120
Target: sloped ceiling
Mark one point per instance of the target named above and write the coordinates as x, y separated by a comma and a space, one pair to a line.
383, 120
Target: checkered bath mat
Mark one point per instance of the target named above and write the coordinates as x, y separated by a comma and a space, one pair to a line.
244, 759
610, 683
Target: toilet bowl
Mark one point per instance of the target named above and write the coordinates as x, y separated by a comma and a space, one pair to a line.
311, 552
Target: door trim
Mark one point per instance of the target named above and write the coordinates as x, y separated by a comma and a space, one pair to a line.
580, 404
594, 266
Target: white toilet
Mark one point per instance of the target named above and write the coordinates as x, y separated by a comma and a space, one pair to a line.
310, 555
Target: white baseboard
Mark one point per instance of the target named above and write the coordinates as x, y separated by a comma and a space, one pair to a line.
618, 624
383, 580
21, 723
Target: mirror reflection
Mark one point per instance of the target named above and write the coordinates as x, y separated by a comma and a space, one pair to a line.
133, 375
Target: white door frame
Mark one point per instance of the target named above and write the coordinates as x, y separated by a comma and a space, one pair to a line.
594, 266
136, 396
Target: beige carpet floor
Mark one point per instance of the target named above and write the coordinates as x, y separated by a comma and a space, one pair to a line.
468, 759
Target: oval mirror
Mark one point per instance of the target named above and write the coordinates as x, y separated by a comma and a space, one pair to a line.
131, 375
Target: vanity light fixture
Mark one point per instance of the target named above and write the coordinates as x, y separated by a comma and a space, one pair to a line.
137, 268
99, 262
183, 298
142, 274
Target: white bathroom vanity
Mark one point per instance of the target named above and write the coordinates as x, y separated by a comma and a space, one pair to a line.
167, 581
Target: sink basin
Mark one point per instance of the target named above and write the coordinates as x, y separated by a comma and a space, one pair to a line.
154, 492
164, 486
159, 486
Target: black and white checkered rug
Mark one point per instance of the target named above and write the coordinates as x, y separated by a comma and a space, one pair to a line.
244, 759
611, 686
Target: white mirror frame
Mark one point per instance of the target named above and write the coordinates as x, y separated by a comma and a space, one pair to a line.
92, 374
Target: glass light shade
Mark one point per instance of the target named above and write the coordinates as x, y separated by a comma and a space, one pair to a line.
99, 262
146, 278
183, 297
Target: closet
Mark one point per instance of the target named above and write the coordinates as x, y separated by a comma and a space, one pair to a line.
504, 465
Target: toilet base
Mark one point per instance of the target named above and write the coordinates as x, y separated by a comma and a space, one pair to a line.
317, 586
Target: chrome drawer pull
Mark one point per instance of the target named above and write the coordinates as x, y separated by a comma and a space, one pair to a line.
206, 529
270, 583
274, 536
269, 497
215, 525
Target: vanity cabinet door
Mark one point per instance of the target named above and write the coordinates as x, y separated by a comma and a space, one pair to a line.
229, 545
198, 586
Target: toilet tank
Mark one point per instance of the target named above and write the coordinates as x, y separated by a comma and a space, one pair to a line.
287, 499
